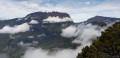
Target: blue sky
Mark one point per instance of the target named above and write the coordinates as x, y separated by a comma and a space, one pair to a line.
79, 10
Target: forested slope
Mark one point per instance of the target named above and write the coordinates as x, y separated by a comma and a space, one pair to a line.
106, 46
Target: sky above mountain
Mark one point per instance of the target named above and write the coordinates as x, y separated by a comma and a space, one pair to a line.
79, 10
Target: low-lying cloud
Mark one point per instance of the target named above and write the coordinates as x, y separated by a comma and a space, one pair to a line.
33, 22
56, 19
16, 29
87, 33
4, 56
40, 53
84, 34
69, 32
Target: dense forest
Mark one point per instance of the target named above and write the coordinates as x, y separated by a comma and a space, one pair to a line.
106, 46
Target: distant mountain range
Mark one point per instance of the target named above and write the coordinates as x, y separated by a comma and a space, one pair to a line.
101, 20
40, 30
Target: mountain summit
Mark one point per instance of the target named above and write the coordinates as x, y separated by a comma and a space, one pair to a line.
49, 17
47, 14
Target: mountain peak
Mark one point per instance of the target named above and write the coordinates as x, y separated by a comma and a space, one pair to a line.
99, 16
50, 16
47, 14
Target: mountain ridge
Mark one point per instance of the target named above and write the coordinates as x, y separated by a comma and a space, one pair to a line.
101, 19
40, 35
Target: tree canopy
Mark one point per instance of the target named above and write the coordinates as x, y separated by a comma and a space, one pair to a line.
106, 46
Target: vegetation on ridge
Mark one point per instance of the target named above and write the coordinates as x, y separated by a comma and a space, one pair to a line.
106, 46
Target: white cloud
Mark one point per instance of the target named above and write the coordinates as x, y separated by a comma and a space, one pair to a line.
12, 9
56, 19
69, 32
84, 34
16, 29
49, 5
33, 22
30, 37
4, 56
87, 33
87, 2
40, 53
81, 17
